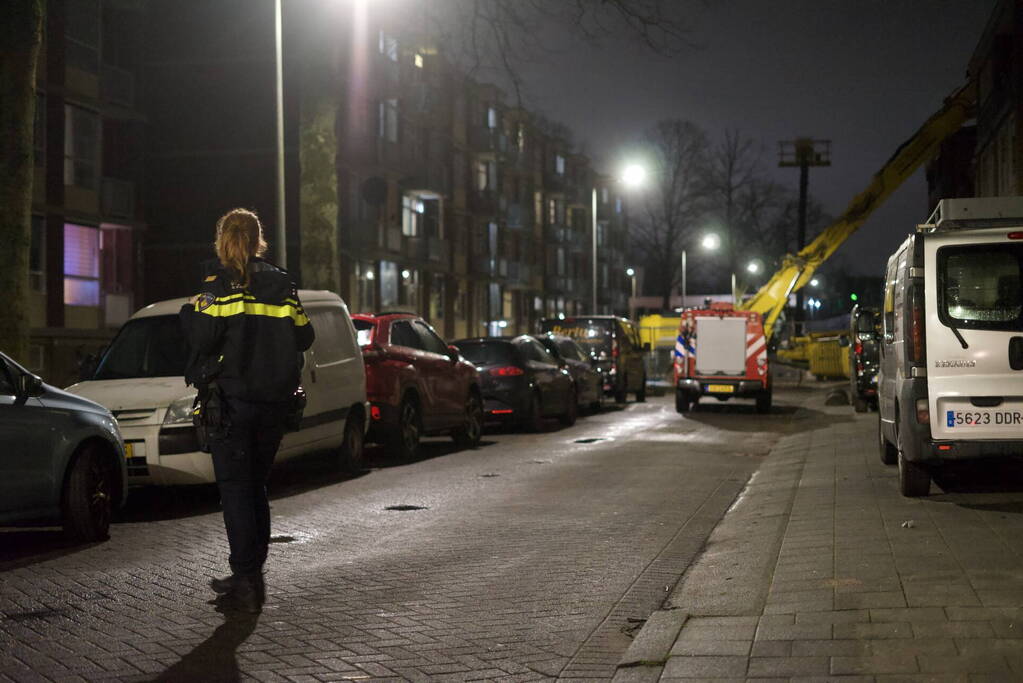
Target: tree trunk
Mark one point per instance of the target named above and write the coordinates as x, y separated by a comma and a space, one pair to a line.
20, 36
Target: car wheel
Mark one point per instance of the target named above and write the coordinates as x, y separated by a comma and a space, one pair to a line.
621, 391
681, 403
88, 497
889, 454
914, 479
572, 410
641, 392
404, 443
764, 399
469, 434
352, 445
533, 421
859, 405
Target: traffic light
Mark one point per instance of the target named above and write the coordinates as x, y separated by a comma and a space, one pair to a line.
853, 296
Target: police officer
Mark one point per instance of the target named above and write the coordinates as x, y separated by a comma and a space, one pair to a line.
246, 330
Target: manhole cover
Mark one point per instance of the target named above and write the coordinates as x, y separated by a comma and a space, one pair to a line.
591, 439
488, 475
282, 539
405, 508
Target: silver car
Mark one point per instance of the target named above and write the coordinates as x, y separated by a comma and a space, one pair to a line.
61, 456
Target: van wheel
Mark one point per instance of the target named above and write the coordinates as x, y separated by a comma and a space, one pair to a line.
88, 497
571, 413
859, 405
764, 399
404, 443
914, 479
889, 454
641, 392
352, 445
621, 394
469, 434
681, 403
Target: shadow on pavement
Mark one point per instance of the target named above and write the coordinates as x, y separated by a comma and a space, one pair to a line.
25, 546
995, 485
783, 419
215, 658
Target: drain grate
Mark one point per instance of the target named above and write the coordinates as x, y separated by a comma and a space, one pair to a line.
405, 508
282, 539
488, 475
591, 439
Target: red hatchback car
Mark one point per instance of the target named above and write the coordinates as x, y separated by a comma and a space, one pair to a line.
416, 384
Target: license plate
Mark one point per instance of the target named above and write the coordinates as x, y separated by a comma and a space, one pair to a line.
720, 389
964, 419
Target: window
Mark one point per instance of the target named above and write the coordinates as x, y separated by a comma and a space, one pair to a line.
333, 342
388, 284
6, 381
365, 276
552, 212
491, 118
520, 139
82, 30
979, 286
486, 175
618, 204
559, 164
387, 120
146, 347
561, 261
363, 332
429, 339
603, 195
410, 288
388, 46
81, 147
534, 351
81, 265
403, 335
417, 60
438, 292
37, 255
412, 209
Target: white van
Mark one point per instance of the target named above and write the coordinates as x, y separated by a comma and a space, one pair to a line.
951, 378
140, 379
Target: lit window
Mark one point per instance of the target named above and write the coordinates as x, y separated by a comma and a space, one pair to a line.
559, 164
603, 195
388, 46
417, 60
618, 204
491, 118
412, 209
521, 141
81, 265
387, 120
552, 212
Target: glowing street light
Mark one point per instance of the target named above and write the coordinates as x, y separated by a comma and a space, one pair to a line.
634, 175
711, 242
753, 267
630, 272
814, 282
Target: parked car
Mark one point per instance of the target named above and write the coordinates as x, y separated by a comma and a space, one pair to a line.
863, 357
952, 350
589, 382
521, 381
615, 343
417, 384
140, 378
61, 456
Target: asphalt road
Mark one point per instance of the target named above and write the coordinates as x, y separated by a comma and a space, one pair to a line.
531, 558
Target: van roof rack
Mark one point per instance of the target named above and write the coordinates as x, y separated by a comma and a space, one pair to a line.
974, 212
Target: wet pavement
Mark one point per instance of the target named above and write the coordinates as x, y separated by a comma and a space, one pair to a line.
535, 557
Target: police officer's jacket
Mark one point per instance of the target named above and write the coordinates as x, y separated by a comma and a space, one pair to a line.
247, 339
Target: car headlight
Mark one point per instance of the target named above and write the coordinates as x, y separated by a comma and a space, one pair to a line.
180, 411
873, 380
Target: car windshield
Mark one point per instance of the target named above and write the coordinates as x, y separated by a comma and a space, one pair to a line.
487, 353
593, 335
363, 331
146, 347
979, 286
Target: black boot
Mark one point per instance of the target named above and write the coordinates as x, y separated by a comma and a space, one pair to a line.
224, 585
247, 595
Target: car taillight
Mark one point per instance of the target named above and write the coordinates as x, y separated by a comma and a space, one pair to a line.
372, 351
507, 371
858, 349
374, 412
614, 348
916, 325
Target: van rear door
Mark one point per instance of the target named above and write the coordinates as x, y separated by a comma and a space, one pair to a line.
974, 308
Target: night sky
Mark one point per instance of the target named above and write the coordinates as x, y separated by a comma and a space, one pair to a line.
862, 74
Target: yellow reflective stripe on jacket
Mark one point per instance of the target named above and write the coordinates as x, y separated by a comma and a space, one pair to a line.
238, 304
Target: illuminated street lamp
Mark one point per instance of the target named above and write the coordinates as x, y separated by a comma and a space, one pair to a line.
814, 282
710, 242
753, 267
634, 176
631, 272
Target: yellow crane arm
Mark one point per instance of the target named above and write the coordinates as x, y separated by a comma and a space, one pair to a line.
797, 270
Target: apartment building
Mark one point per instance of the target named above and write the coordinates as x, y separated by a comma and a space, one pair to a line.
410, 186
87, 220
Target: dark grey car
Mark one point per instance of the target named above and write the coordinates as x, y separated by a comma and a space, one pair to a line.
589, 381
61, 456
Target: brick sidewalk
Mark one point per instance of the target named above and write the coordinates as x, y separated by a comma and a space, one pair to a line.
822, 570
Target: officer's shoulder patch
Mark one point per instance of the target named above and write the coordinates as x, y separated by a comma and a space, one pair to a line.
210, 278
204, 301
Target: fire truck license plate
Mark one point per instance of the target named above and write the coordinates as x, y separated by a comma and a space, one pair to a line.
720, 389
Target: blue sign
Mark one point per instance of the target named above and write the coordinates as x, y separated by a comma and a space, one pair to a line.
950, 418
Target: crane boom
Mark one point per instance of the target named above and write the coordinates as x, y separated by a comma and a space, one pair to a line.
797, 270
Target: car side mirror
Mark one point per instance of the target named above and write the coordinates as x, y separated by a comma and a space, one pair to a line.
843, 341
30, 386
453, 354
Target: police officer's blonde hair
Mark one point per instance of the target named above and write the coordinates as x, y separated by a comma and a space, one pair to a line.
239, 239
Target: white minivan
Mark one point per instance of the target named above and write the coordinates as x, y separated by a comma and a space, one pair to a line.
140, 379
951, 379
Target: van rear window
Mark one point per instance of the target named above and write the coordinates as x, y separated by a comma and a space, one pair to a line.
979, 286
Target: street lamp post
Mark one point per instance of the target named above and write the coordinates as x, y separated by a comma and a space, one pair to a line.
282, 246
631, 272
593, 212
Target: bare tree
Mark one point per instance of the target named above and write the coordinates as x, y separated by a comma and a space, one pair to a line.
20, 36
671, 213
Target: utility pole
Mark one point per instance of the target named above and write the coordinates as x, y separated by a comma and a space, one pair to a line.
803, 153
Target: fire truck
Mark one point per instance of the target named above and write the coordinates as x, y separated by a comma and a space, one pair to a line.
721, 348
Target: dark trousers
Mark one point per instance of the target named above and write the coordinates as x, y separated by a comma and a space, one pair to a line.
241, 463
